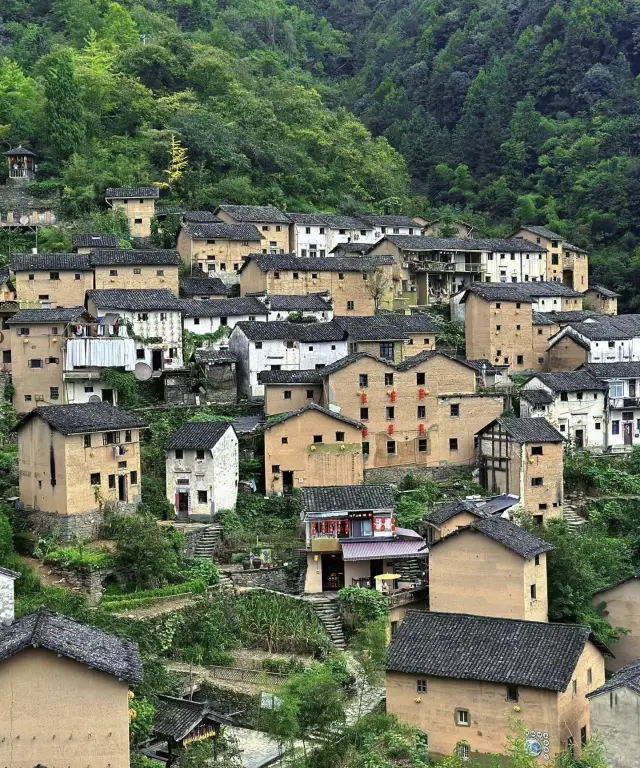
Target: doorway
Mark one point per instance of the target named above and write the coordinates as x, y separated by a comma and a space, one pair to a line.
156, 359
579, 438
107, 396
287, 482
122, 488
183, 504
332, 572
627, 431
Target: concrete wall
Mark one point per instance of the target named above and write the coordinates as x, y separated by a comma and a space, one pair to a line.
615, 716
622, 610
58, 712
486, 562
312, 463
202, 325
67, 291
159, 277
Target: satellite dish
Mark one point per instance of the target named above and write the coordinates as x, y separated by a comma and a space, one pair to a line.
143, 371
24, 219
95, 399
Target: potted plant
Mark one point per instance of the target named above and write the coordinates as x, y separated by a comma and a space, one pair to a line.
257, 563
246, 565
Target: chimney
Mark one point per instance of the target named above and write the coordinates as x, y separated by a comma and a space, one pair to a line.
7, 578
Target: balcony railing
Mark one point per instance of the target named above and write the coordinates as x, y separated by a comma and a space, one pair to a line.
624, 402
406, 596
445, 266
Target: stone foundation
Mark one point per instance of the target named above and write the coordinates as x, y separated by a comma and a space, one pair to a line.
277, 579
397, 474
84, 526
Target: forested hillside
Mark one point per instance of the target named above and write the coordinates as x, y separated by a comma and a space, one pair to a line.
514, 111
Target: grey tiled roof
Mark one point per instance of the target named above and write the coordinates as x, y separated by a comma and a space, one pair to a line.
627, 677
346, 498
389, 221
343, 362
220, 231
543, 232
73, 640
291, 377
571, 316
135, 299
542, 318
20, 150
360, 248
203, 286
491, 245
282, 329
498, 292
308, 219
482, 364
528, 430
195, 435
533, 654
544, 288
339, 221
536, 396
74, 262
84, 417
206, 355
254, 213
568, 247
200, 217
9, 573
60, 315
386, 326
176, 718
312, 302
448, 509
510, 535
94, 241
410, 362
606, 292
609, 328
103, 257
287, 262
573, 381
614, 370
125, 192
319, 409
242, 305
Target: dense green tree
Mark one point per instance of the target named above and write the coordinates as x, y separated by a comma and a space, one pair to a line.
63, 110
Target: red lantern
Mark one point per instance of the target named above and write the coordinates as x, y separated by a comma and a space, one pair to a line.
314, 529
393, 395
393, 523
330, 527
365, 431
346, 527
422, 429
338, 527
421, 393
363, 397
324, 527
391, 429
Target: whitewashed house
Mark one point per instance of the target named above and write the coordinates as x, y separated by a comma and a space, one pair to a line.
207, 316
317, 234
605, 338
283, 346
623, 402
154, 320
572, 402
314, 306
390, 224
202, 470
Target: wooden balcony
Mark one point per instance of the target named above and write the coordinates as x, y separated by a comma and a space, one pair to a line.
404, 597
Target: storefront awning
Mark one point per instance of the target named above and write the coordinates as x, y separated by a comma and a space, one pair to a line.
387, 550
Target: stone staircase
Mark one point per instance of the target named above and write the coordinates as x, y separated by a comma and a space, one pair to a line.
226, 583
328, 612
574, 521
208, 541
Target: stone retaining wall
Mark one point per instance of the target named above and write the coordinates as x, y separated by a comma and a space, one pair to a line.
396, 474
276, 579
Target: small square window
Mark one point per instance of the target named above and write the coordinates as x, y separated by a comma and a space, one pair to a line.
388, 379
317, 438
462, 717
536, 560
296, 275
364, 414
365, 448
512, 693
536, 481
287, 394
289, 344
284, 440
340, 275
364, 380
520, 360
202, 497
421, 685
453, 443
27, 398
533, 591
421, 412
160, 272
309, 394
539, 331
391, 448
339, 437
113, 273
87, 441
137, 221
134, 478
420, 379
589, 676
536, 450
137, 271
112, 481
258, 345
94, 478
390, 412
574, 687
54, 393
127, 436
351, 305
200, 454
454, 410
422, 445
54, 275
275, 469
32, 277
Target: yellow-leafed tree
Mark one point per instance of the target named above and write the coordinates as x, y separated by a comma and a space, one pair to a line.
177, 163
